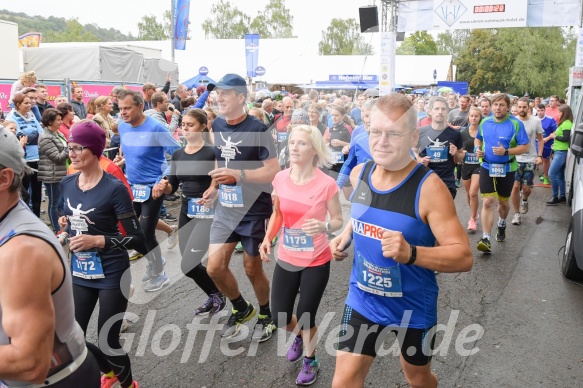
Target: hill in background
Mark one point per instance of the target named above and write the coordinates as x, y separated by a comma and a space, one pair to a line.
55, 29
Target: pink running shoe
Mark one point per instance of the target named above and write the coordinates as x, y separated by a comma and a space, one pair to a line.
472, 225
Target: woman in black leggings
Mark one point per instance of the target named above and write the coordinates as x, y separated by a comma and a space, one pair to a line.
190, 166
94, 203
304, 195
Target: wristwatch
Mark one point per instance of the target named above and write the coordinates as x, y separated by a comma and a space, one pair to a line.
413, 255
505, 152
328, 227
242, 176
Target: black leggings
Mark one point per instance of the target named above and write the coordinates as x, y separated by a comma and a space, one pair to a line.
194, 236
287, 279
111, 303
150, 213
36, 188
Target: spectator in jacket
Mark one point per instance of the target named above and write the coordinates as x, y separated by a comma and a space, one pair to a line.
148, 90
91, 109
68, 116
179, 95
42, 96
114, 92
103, 118
52, 165
28, 126
161, 105
77, 102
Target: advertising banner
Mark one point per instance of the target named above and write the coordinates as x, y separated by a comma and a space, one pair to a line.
251, 53
54, 91
181, 26
466, 14
30, 39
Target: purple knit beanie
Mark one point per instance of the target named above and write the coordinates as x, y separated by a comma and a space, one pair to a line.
89, 135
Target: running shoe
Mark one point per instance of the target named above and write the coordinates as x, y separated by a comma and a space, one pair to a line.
515, 220
541, 178
501, 234
264, 329
157, 282
206, 307
458, 183
484, 246
134, 255
296, 349
237, 318
239, 247
124, 326
523, 207
546, 181
219, 302
168, 217
107, 382
472, 225
309, 372
173, 237
150, 271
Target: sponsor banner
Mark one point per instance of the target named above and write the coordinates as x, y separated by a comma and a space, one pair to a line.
465, 14
251, 53
419, 15
181, 24
352, 77
367, 230
579, 55
30, 39
94, 90
385, 56
54, 91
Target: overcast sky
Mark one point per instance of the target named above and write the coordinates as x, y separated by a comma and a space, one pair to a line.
311, 17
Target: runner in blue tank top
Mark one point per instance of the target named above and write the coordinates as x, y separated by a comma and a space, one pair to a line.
400, 210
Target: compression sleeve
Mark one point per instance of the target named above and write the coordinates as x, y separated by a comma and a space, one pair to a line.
347, 167
133, 240
566, 136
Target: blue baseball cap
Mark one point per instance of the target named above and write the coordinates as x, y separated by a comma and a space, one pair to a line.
230, 81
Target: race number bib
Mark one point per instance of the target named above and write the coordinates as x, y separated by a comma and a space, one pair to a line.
87, 265
231, 196
282, 136
497, 170
437, 154
338, 157
141, 192
471, 158
383, 281
196, 210
296, 240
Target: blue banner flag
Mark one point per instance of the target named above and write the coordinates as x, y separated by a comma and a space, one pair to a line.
251, 53
181, 24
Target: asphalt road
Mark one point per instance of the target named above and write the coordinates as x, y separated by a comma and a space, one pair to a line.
521, 321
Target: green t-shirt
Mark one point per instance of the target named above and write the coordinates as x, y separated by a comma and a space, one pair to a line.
562, 145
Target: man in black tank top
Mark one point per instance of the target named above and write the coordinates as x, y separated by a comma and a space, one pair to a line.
37, 327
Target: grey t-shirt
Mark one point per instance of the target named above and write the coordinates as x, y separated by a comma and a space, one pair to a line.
457, 118
533, 127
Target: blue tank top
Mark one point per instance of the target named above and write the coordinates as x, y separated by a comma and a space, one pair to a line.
382, 290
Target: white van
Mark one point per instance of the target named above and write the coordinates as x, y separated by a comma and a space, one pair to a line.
572, 260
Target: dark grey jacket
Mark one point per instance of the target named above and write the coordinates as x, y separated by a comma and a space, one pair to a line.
53, 155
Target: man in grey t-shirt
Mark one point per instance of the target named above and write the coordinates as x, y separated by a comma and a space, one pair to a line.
527, 162
458, 118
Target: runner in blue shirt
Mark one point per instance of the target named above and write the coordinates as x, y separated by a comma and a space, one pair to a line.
144, 142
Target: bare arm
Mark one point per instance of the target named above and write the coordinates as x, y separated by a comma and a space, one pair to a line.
28, 315
519, 150
264, 174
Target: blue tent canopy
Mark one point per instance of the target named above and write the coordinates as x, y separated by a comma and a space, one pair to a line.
198, 80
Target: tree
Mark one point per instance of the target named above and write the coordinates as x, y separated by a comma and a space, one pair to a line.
74, 32
342, 37
226, 22
452, 43
275, 22
150, 29
518, 60
419, 43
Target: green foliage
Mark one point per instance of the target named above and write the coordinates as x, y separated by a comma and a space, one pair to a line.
452, 43
342, 37
56, 29
229, 22
74, 32
150, 29
275, 22
424, 43
518, 60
